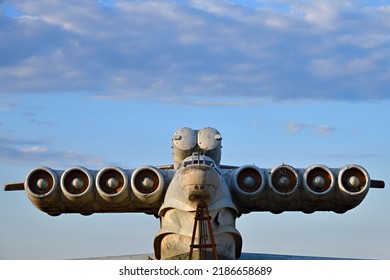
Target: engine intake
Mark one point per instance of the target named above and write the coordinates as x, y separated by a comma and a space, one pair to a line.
248, 181
284, 180
318, 181
147, 184
77, 184
42, 188
354, 180
112, 184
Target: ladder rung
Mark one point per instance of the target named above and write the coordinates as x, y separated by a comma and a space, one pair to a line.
202, 214
203, 218
203, 246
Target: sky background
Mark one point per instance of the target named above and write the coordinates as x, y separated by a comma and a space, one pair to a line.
97, 83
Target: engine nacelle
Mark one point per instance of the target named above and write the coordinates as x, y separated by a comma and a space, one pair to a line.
112, 184
77, 184
248, 183
184, 142
187, 141
147, 184
43, 189
209, 142
318, 182
284, 181
354, 182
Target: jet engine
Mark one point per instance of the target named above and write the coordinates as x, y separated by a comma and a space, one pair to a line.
43, 189
284, 180
354, 182
112, 184
147, 184
78, 186
184, 142
318, 182
248, 183
209, 143
187, 141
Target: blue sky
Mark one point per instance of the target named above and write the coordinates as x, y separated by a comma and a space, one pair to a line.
97, 83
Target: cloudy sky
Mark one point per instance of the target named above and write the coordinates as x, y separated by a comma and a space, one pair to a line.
97, 83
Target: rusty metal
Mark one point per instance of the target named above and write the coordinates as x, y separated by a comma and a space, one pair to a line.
203, 217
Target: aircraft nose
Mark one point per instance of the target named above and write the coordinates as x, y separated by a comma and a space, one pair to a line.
200, 182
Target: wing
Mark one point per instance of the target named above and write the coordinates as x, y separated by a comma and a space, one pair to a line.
109, 190
284, 188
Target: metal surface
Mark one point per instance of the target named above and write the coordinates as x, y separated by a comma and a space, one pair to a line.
202, 223
172, 192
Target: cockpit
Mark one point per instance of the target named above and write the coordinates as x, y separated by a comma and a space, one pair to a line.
197, 159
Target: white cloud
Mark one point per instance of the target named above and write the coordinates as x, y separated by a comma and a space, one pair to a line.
294, 127
35, 150
323, 129
322, 14
7, 105
45, 156
178, 50
16, 151
297, 127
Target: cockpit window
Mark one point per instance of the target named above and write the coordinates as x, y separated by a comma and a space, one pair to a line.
204, 162
199, 161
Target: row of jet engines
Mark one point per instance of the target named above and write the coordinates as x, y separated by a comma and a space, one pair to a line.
85, 191
284, 188
113, 189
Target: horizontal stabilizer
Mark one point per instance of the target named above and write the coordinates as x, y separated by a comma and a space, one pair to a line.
14, 187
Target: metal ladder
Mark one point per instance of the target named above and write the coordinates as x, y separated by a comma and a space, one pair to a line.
203, 217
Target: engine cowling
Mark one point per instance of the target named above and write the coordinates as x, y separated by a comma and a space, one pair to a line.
43, 189
318, 182
284, 180
77, 184
354, 182
187, 141
147, 184
248, 183
184, 142
209, 142
112, 184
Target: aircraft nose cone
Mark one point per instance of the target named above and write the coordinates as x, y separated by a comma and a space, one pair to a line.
199, 182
